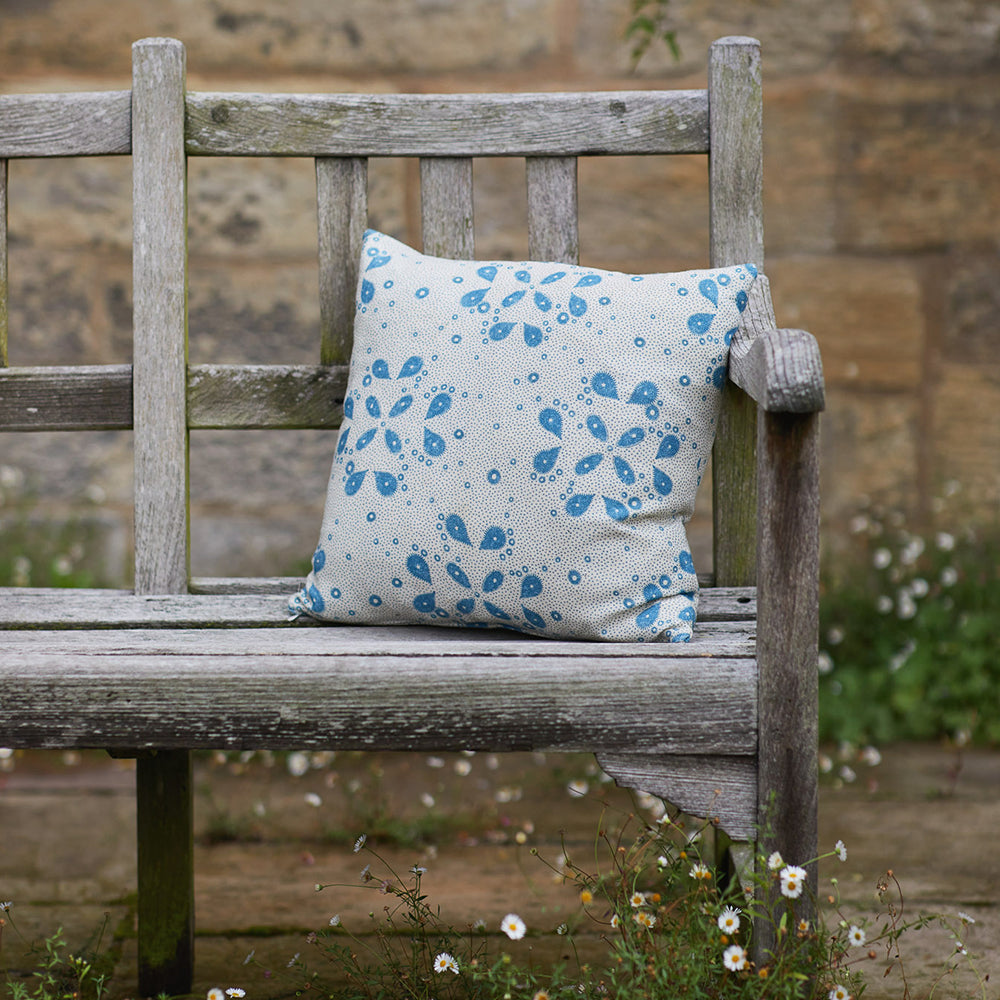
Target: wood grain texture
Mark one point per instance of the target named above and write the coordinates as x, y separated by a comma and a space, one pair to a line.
553, 228
782, 372
788, 595
735, 237
3, 265
342, 202
721, 789
263, 602
82, 124
554, 124
82, 397
159, 290
446, 207
260, 396
400, 697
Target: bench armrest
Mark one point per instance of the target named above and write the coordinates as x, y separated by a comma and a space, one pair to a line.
781, 370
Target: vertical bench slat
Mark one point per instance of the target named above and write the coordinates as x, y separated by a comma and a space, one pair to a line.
159, 182
553, 231
736, 237
3, 264
342, 204
164, 797
446, 213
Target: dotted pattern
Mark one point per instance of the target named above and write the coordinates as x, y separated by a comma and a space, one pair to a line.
522, 444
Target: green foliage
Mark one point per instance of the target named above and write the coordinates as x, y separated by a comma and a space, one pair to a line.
909, 644
650, 23
61, 975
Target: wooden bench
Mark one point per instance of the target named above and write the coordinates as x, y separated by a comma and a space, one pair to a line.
723, 727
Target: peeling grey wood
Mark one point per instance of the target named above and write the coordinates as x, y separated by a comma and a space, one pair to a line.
159, 179
160, 441
782, 372
274, 637
446, 207
82, 124
566, 124
3, 270
403, 700
553, 229
99, 397
265, 604
261, 396
735, 237
720, 789
81, 397
342, 203
788, 595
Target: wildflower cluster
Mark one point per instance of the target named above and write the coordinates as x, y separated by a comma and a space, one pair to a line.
672, 927
908, 644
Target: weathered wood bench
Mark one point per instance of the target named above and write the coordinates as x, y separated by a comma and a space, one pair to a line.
724, 726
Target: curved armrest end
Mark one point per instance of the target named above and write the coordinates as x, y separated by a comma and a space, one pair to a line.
782, 371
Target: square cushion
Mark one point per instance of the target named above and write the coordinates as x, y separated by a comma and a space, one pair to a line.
521, 446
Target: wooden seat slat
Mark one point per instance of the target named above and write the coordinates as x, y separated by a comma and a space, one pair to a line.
25, 608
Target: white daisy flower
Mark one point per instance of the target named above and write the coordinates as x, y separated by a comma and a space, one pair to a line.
445, 963
839, 993
637, 899
729, 920
360, 842
793, 880
856, 936
734, 958
841, 850
965, 918
236, 992
775, 861
513, 926
215, 994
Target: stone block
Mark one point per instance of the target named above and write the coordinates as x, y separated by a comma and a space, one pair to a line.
870, 445
917, 163
971, 290
920, 37
965, 432
800, 166
69, 306
253, 312
866, 313
256, 37
796, 38
71, 202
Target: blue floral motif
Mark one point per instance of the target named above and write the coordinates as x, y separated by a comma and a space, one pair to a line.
541, 293
379, 410
475, 600
619, 448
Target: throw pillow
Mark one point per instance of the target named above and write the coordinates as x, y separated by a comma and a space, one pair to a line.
521, 446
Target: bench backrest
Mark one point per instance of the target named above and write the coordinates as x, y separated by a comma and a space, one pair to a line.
160, 124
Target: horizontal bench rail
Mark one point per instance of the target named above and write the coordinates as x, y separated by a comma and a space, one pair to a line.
450, 125
317, 125
237, 397
82, 124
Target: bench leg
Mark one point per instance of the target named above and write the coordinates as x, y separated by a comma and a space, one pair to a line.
164, 809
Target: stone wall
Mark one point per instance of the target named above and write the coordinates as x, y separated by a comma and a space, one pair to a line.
882, 122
